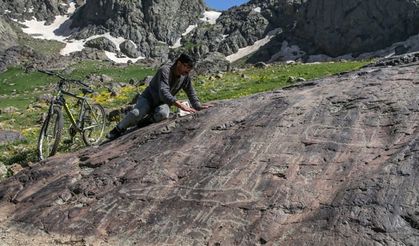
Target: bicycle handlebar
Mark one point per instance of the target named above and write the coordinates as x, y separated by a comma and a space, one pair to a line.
62, 78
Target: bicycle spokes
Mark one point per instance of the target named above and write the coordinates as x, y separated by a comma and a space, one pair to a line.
93, 124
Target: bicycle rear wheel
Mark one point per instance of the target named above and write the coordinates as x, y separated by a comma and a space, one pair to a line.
94, 121
50, 135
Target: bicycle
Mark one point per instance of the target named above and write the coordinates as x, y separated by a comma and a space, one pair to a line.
90, 123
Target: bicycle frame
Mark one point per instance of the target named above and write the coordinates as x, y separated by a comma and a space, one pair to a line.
84, 105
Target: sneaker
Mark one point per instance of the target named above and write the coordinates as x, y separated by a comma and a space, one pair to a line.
114, 133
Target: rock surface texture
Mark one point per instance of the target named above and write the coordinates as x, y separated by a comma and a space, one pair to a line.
27, 9
152, 25
329, 27
338, 27
8, 36
327, 162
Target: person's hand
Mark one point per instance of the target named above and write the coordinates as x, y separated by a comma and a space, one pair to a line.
185, 107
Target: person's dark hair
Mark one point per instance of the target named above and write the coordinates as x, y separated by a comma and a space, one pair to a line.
186, 59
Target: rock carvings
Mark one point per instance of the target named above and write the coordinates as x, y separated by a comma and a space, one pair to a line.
328, 162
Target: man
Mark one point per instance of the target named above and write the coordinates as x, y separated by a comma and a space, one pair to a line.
157, 98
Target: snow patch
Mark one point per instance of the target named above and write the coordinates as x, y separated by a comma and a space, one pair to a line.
177, 44
253, 48
257, 9
78, 45
211, 17
189, 29
293, 52
60, 30
7, 11
72, 7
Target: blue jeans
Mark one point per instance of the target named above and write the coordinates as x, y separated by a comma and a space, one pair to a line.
141, 109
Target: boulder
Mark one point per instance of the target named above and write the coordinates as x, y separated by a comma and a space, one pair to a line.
129, 49
212, 64
101, 43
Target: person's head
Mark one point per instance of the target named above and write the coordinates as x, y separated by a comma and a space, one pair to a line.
184, 64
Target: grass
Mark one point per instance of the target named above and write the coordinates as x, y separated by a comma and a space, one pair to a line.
254, 80
231, 85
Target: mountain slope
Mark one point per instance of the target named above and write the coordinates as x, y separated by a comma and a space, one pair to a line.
331, 161
149, 23
303, 28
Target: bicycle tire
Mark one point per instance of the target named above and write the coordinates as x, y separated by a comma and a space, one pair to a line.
54, 122
93, 125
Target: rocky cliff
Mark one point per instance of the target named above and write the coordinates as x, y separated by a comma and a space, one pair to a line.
330, 27
289, 29
152, 25
27, 9
8, 36
327, 162
337, 27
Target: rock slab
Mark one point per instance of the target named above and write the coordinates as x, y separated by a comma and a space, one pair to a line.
324, 162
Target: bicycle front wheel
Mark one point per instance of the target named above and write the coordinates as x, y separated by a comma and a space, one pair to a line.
50, 135
94, 121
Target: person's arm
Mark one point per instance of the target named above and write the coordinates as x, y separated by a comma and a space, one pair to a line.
191, 93
164, 87
193, 98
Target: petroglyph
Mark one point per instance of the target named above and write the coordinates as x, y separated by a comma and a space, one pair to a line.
309, 164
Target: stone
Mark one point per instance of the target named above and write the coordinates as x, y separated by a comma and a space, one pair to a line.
9, 110
244, 76
105, 78
7, 136
15, 168
101, 43
3, 170
260, 65
130, 49
316, 163
44, 98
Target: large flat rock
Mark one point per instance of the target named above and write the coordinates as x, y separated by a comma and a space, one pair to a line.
329, 162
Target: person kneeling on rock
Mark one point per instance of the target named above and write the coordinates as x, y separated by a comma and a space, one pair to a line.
154, 103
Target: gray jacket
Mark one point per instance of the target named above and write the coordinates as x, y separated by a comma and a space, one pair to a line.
165, 85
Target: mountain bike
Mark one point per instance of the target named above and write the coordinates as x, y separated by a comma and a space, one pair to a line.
90, 122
